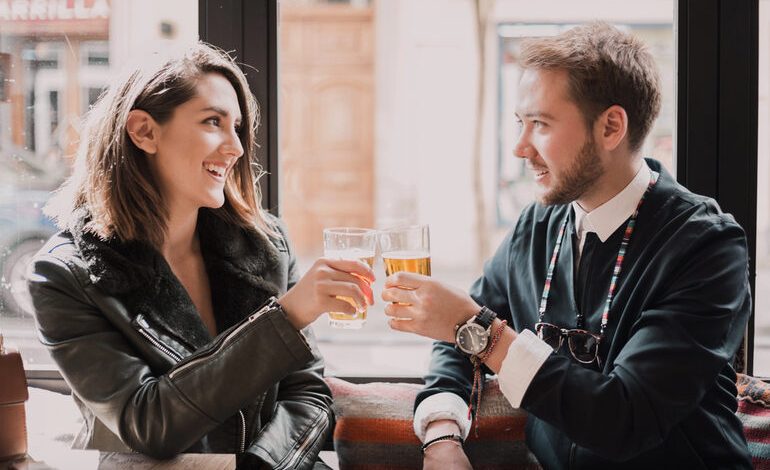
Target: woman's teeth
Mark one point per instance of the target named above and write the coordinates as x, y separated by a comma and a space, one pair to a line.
214, 169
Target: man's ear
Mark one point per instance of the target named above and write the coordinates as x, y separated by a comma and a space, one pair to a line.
143, 131
611, 127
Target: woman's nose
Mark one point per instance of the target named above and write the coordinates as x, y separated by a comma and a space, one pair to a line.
233, 145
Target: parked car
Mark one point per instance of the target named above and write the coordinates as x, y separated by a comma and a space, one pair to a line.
23, 230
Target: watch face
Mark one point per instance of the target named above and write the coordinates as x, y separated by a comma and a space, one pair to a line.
472, 338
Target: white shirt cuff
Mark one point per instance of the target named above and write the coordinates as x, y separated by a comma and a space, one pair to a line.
526, 355
444, 405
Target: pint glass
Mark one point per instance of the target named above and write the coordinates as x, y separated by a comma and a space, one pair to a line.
350, 243
406, 249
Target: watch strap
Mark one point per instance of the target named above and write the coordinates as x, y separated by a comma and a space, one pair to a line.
485, 317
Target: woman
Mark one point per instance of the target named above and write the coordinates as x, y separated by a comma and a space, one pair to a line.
170, 301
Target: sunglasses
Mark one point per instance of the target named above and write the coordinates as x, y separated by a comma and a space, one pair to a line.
583, 345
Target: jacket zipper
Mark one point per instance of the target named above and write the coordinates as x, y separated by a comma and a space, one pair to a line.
310, 439
172, 354
155, 342
571, 455
216, 348
243, 434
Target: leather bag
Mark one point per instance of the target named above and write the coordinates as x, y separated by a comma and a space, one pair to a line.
13, 395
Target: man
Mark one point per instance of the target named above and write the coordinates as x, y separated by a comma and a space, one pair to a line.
625, 295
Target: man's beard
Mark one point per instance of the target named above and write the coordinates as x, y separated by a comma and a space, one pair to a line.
577, 179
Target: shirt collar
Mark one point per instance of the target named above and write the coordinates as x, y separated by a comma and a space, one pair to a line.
605, 219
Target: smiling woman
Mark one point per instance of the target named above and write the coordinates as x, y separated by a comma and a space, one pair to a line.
192, 152
170, 301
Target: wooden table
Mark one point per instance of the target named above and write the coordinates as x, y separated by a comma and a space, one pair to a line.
53, 420
92, 459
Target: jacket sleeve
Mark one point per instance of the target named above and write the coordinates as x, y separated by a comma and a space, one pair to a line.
674, 354
301, 421
156, 415
450, 370
303, 416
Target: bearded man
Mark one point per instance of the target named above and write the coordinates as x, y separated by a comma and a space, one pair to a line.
612, 311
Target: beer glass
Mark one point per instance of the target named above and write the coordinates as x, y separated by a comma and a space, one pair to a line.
350, 243
406, 249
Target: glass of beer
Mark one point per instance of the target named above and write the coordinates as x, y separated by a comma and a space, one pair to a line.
406, 249
350, 243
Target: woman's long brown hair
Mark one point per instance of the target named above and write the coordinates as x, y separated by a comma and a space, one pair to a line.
111, 178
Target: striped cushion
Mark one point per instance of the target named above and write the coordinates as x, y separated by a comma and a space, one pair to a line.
374, 428
754, 413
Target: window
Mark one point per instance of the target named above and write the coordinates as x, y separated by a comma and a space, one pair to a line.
55, 63
378, 111
422, 99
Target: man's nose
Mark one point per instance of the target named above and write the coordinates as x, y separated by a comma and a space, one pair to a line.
523, 148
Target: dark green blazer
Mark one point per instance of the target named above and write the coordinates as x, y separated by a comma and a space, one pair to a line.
665, 394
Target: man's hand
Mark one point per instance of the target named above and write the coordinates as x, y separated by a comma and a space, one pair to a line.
425, 306
445, 455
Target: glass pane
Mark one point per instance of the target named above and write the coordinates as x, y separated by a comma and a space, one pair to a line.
762, 308
377, 128
55, 60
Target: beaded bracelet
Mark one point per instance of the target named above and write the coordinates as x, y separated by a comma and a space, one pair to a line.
445, 437
478, 383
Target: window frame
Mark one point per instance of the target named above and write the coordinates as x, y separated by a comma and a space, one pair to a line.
717, 106
248, 29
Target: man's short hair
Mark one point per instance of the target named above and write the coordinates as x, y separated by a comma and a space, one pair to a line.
605, 67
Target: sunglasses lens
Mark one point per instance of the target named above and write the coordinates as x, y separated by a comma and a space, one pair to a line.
583, 346
550, 334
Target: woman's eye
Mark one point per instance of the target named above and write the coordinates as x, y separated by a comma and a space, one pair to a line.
214, 121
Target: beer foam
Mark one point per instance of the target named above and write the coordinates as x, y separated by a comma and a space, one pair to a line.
411, 254
351, 253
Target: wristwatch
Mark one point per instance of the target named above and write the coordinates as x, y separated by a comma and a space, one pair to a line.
472, 337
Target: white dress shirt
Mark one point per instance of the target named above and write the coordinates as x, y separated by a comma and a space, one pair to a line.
527, 352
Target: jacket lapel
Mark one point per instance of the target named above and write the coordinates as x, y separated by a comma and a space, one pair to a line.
240, 264
243, 267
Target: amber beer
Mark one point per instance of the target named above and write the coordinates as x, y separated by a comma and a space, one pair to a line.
413, 262
345, 320
406, 249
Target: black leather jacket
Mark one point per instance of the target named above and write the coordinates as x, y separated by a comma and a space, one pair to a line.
146, 373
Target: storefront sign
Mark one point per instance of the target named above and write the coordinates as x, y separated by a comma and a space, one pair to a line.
53, 10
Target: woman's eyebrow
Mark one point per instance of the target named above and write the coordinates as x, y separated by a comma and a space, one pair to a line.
219, 110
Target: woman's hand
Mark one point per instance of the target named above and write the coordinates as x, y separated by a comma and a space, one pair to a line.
425, 306
318, 291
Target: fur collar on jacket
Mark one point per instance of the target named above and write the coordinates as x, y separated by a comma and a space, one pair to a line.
243, 269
